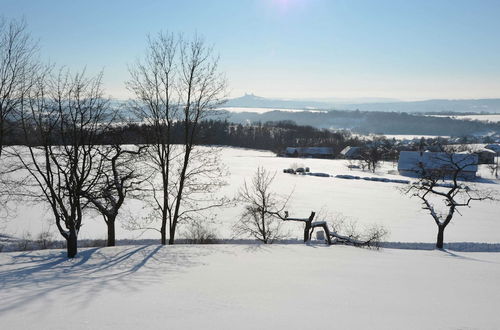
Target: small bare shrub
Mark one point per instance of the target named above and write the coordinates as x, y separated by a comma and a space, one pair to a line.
25, 243
199, 233
94, 243
45, 240
348, 232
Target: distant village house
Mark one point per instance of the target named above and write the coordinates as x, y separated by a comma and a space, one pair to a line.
309, 152
351, 152
417, 163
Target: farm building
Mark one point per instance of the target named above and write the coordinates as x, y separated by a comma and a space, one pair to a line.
416, 163
486, 156
313, 152
351, 152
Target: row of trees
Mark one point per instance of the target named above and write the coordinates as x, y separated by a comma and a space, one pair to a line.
65, 120
441, 191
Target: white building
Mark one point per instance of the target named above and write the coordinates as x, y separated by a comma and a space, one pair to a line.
417, 163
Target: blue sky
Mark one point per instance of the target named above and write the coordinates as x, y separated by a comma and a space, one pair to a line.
289, 48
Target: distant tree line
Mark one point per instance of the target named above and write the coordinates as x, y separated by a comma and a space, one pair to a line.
368, 122
273, 136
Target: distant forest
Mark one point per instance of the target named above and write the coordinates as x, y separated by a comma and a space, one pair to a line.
272, 136
367, 122
270, 131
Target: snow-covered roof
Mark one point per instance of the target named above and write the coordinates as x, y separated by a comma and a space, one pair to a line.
350, 151
489, 151
494, 147
415, 160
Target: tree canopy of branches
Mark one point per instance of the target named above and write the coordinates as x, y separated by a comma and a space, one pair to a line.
119, 175
261, 218
17, 64
371, 157
61, 118
442, 192
178, 83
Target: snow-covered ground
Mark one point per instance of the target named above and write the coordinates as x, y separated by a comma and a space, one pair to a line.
412, 136
367, 202
495, 118
264, 110
249, 287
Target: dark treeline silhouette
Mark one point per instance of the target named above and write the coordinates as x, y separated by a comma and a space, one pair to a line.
273, 136
366, 122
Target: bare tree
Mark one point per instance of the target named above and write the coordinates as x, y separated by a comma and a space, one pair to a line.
17, 64
261, 218
494, 167
118, 176
61, 120
371, 156
198, 232
177, 85
442, 191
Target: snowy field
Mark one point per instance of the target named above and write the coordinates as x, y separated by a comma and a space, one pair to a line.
249, 287
283, 286
366, 202
264, 110
412, 136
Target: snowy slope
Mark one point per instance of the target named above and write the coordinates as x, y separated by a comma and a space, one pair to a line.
249, 287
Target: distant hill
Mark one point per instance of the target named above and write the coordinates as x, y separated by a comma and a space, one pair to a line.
372, 104
253, 101
472, 106
366, 122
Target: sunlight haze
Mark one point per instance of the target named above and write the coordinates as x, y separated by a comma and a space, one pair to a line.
289, 48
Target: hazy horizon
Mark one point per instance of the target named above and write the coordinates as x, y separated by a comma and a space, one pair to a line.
288, 49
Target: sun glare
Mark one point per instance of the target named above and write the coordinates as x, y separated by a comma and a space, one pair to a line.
286, 5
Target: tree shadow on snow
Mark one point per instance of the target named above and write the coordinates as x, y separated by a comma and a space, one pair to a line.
50, 275
454, 246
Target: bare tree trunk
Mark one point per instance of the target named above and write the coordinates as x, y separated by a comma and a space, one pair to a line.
163, 230
307, 227
1, 134
171, 238
440, 237
71, 244
496, 167
111, 231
